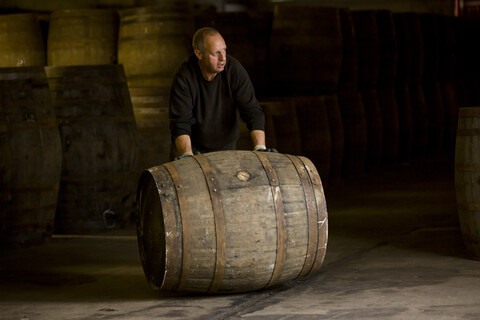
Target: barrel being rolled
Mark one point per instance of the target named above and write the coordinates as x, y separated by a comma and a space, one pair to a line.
467, 178
231, 221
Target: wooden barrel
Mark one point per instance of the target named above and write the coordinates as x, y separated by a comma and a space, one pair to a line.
281, 122
467, 178
405, 123
82, 37
366, 32
34, 154
373, 115
337, 136
420, 118
150, 107
389, 110
315, 134
387, 44
153, 42
309, 64
21, 42
355, 132
348, 79
231, 221
99, 142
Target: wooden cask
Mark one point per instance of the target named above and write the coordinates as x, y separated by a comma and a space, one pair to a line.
153, 42
231, 221
99, 143
21, 42
34, 156
150, 107
467, 178
82, 37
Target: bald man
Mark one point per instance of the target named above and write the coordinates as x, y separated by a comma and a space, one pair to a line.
209, 90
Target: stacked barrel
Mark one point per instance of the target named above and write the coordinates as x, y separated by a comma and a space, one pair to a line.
152, 43
96, 122
29, 138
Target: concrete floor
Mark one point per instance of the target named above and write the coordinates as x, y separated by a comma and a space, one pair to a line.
395, 251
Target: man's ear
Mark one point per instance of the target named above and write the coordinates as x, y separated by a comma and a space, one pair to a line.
198, 54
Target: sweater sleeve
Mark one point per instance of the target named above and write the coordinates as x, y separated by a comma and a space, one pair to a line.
250, 111
181, 106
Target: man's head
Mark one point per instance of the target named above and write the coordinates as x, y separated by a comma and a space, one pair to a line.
211, 51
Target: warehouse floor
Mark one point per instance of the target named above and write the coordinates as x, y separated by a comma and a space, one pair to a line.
395, 251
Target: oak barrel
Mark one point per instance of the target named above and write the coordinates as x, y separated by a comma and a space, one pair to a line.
231, 221
153, 42
82, 37
21, 42
33, 154
467, 178
99, 143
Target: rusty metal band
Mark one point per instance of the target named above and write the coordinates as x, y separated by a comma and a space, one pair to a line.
173, 238
219, 220
182, 204
311, 207
322, 215
280, 216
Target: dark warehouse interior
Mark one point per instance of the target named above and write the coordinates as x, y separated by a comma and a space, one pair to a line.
369, 208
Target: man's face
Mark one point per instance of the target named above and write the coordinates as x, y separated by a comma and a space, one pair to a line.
215, 56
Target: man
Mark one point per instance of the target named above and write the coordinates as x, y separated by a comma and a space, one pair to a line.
207, 91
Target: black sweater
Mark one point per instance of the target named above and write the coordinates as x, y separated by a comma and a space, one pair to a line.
208, 111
